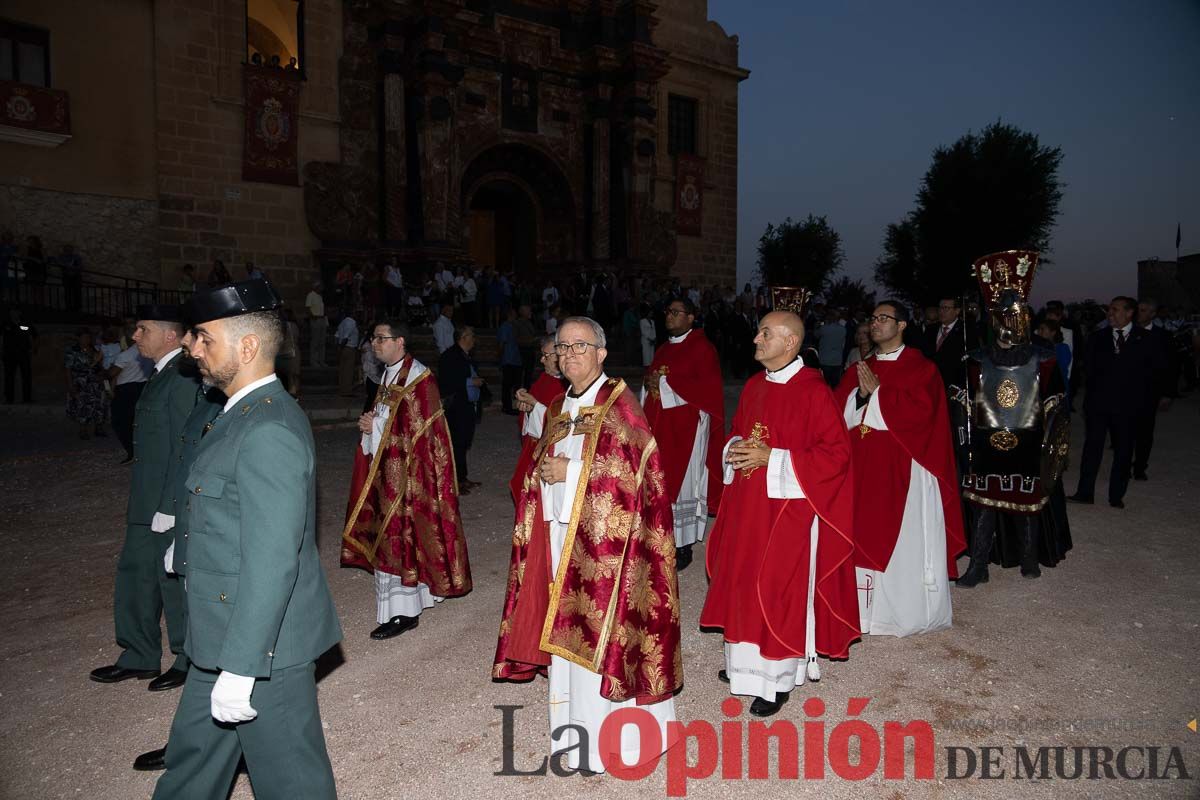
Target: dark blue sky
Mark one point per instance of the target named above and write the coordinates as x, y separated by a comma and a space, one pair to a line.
847, 100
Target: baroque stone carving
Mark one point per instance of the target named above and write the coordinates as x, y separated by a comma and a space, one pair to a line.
339, 202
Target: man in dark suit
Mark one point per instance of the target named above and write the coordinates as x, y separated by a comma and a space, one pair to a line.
946, 344
1120, 362
1161, 387
459, 384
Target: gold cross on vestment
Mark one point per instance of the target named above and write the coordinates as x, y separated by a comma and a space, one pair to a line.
758, 435
864, 429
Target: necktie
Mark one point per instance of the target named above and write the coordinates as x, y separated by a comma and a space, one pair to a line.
1120, 343
942, 336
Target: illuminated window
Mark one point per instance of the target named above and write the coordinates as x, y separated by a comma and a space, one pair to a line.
275, 33
24, 54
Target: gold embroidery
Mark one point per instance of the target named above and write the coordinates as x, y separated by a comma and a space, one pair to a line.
640, 596
758, 434
1004, 440
1004, 505
1007, 393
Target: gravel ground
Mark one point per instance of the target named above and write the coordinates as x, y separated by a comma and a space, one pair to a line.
1099, 652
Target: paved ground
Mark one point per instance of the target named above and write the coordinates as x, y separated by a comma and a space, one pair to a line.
1099, 652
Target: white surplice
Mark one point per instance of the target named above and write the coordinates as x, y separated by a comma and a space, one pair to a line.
749, 672
574, 690
913, 594
392, 597
690, 507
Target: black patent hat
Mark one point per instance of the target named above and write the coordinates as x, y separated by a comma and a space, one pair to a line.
233, 300
155, 312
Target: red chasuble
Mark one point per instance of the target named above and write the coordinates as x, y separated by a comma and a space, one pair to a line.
758, 552
693, 371
613, 604
403, 512
913, 402
545, 390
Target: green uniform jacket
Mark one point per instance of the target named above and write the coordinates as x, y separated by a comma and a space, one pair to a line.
162, 408
257, 596
208, 404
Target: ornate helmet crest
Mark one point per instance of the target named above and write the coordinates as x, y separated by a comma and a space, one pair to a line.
1005, 280
790, 298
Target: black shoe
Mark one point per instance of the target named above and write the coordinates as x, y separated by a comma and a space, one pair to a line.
151, 761
766, 708
683, 557
1078, 498
1140, 475
115, 674
1117, 503
723, 676
394, 627
171, 679
974, 576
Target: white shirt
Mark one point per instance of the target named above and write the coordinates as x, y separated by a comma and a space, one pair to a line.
347, 333
132, 366
162, 362
394, 278
315, 304
245, 390
469, 290
443, 333
1124, 331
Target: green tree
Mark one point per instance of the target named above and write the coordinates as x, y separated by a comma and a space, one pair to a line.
845, 292
805, 254
998, 190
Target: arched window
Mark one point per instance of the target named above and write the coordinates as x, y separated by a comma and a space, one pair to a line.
275, 33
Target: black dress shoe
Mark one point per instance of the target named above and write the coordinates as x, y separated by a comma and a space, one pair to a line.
394, 627
115, 674
171, 679
1140, 475
1117, 503
152, 761
1078, 498
766, 708
723, 676
683, 557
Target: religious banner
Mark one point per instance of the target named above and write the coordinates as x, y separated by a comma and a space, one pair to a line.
35, 108
689, 195
272, 125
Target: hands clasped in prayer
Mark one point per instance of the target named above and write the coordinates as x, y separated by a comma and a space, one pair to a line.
748, 454
554, 469
366, 421
867, 380
525, 401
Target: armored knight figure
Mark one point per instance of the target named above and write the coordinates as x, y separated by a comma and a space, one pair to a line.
1012, 424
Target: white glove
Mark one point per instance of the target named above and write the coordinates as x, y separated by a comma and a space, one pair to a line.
231, 698
162, 522
169, 559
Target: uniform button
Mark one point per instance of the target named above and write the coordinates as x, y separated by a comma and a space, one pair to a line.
185, 536
222, 597
197, 490
270, 653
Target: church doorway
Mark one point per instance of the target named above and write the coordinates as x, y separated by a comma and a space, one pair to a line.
503, 227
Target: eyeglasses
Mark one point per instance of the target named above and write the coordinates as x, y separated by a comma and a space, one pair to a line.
881, 318
384, 338
551, 354
677, 312
578, 348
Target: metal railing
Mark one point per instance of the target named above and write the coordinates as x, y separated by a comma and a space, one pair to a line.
48, 287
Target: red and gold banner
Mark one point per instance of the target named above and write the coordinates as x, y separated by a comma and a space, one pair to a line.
272, 125
689, 195
34, 107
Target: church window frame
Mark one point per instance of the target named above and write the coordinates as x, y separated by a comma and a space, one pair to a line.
251, 21
683, 125
28, 38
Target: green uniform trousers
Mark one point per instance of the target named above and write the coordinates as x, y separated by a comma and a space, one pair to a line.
143, 593
284, 745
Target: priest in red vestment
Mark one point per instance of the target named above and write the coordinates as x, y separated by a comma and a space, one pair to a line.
684, 399
592, 599
402, 522
908, 527
533, 404
780, 557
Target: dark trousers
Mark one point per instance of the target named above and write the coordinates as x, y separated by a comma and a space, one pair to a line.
1099, 425
460, 417
528, 358
1144, 435
125, 397
144, 592
510, 381
284, 746
12, 364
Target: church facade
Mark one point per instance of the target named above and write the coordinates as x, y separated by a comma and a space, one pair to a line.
533, 136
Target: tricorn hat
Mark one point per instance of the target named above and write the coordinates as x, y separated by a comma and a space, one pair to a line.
790, 298
233, 300
159, 312
1008, 272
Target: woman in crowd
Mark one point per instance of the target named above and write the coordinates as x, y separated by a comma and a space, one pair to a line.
87, 402
218, 276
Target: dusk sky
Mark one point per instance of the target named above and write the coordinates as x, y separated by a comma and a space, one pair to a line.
847, 101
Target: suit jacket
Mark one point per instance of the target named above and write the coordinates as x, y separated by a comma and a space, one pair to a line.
1163, 378
454, 368
257, 595
208, 405
162, 408
949, 359
1118, 384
